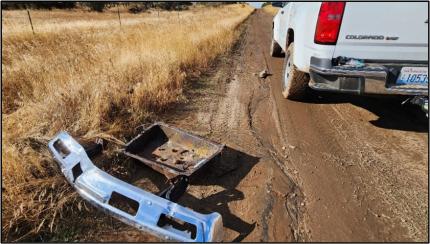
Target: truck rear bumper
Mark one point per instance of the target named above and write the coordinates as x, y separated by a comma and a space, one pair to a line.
373, 78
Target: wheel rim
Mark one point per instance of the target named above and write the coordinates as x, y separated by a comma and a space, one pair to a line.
287, 73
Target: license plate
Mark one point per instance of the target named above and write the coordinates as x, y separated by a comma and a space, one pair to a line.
413, 75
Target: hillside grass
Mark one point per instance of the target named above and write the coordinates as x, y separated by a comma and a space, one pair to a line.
83, 73
270, 9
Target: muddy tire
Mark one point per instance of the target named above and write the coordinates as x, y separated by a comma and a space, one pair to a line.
294, 82
275, 49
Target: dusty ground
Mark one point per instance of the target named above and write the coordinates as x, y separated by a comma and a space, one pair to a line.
330, 168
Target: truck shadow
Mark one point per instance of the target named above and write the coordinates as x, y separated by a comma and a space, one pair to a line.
226, 171
390, 111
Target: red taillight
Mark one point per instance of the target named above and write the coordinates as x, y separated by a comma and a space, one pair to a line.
328, 24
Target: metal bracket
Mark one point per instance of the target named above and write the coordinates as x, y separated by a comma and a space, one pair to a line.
96, 148
176, 189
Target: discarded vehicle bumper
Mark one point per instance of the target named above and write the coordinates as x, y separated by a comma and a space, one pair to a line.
364, 78
144, 210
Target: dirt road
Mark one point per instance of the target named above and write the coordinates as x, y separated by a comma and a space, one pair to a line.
329, 168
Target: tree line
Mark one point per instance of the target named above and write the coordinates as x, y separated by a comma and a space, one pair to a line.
101, 6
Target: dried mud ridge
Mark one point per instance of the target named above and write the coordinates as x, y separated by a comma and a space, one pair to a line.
259, 97
293, 198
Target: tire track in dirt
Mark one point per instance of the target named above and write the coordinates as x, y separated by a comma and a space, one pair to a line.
230, 109
246, 95
309, 174
374, 160
292, 198
350, 154
260, 98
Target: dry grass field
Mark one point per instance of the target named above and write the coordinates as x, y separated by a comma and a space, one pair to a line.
83, 73
271, 10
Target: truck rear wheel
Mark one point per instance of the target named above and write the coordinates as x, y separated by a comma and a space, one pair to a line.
294, 82
275, 49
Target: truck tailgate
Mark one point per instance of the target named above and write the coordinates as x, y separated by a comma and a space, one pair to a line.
384, 31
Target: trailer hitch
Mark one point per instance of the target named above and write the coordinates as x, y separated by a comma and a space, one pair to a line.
421, 101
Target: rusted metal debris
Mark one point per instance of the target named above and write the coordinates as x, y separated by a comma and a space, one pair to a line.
171, 151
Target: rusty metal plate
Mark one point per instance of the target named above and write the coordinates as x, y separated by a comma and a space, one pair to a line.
171, 151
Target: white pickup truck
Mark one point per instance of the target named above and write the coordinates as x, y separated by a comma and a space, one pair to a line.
353, 47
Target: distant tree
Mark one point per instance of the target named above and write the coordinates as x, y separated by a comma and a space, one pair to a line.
266, 4
215, 4
11, 5
278, 4
99, 6
172, 5
96, 6
38, 5
139, 7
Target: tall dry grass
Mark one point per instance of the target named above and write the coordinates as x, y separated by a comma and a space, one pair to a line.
84, 74
271, 10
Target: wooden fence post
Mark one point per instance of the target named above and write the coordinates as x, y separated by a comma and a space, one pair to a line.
119, 18
31, 23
